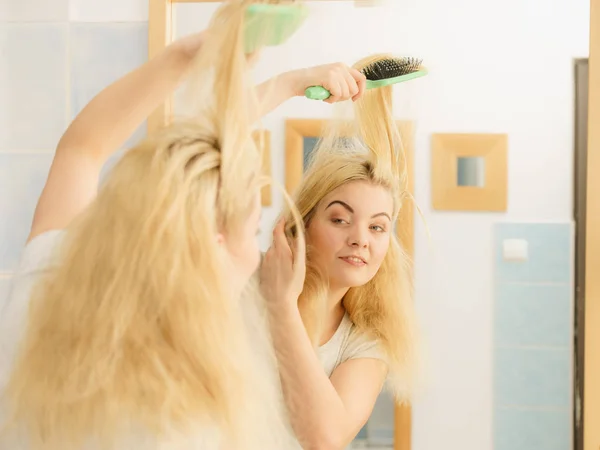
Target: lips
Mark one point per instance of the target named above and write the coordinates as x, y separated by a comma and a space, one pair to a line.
356, 261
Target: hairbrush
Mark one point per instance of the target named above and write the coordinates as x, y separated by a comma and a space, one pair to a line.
384, 72
268, 24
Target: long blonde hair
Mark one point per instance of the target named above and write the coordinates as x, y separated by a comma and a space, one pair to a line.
367, 148
137, 328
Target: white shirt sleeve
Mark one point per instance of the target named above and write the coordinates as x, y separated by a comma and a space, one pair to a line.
36, 259
359, 345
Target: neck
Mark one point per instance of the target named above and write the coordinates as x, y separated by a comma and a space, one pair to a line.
335, 313
334, 301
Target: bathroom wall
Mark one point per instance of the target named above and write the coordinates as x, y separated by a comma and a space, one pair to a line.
494, 67
54, 57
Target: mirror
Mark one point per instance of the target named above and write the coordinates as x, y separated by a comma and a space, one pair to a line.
309, 143
506, 393
470, 171
501, 371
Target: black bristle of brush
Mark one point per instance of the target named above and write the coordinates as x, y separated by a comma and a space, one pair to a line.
391, 68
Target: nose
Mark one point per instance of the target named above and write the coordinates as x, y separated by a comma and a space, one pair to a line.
358, 239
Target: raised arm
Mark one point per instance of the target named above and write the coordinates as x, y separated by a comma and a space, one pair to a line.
101, 128
114, 114
343, 82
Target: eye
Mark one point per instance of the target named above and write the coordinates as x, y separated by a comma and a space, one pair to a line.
378, 228
338, 221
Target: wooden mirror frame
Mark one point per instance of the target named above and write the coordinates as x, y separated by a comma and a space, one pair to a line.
591, 397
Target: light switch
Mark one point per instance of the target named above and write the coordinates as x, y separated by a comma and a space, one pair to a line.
515, 249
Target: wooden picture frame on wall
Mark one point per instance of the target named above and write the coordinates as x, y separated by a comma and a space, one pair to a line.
469, 172
301, 135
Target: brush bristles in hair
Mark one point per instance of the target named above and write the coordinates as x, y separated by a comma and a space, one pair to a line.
390, 67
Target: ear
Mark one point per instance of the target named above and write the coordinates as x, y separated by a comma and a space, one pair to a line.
220, 239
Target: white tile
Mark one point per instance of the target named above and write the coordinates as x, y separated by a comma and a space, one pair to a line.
5, 281
34, 10
22, 178
33, 85
190, 18
108, 10
100, 55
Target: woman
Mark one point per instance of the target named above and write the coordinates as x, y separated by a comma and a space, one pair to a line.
124, 328
354, 303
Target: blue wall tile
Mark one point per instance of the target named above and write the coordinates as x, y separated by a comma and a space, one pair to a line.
527, 314
23, 176
101, 54
33, 85
532, 377
550, 255
362, 434
380, 427
516, 429
381, 437
533, 339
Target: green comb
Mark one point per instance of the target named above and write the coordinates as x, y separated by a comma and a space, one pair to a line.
384, 72
271, 24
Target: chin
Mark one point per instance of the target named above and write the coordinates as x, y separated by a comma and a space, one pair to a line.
351, 281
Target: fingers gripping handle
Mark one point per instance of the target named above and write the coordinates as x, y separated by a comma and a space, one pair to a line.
317, 93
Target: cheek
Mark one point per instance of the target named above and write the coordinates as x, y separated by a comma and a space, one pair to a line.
325, 240
379, 249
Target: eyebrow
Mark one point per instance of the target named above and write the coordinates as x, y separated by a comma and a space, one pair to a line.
350, 210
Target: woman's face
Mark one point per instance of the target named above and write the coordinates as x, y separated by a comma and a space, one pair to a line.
349, 234
243, 248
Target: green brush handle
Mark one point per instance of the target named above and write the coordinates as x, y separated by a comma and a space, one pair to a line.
317, 93
320, 93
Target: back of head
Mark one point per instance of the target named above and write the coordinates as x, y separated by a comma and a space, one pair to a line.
366, 148
139, 327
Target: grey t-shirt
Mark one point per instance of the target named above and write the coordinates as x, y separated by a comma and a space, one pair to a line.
35, 261
345, 344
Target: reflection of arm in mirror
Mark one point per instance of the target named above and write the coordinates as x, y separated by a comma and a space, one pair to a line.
342, 81
326, 412
327, 408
